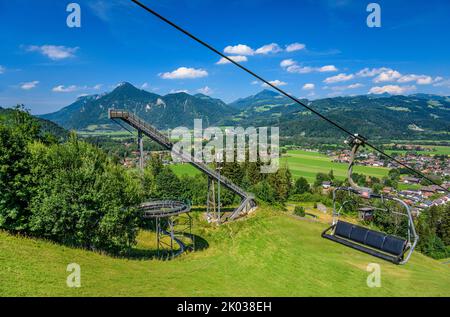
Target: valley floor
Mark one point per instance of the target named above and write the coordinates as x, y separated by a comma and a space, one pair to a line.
268, 254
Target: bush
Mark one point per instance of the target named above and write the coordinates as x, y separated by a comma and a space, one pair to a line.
299, 211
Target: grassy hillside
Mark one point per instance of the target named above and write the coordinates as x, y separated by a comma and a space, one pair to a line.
268, 254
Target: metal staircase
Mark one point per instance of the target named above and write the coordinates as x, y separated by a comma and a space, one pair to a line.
247, 202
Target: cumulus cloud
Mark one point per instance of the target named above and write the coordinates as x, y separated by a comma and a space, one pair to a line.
62, 88
338, 78
391, 89
440, 82
367, 72
327, 68
29, 85
54, 52
240, 49
387, 75
419, 79
272, 48
354, 86
145, 86
276, 83
237, 58
184, 73
342, 88
205, 90
292, 66
177, 91
295, 47
308, 86
2, 69
296, 69
287, 62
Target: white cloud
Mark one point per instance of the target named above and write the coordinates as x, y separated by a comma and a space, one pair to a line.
184, 73
440, 82
391, 89
292, 66
276, 83
240, 49
342, 88
327, 68
145, 86
367, 72
419, 79
62, 88
177, 91
354, 86
295, 47
287, 62
338, 78
308, 86
29, 85
237, 58
54, 52
296, 69
205, 90
272, 48
97, 87
386, 76
2, 69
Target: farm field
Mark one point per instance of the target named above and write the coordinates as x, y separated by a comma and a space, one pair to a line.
307, 164
270, 253
304, 164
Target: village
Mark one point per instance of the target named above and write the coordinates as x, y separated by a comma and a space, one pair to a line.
412, 190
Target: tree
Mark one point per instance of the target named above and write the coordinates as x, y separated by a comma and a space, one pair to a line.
167, 185
264, 191
15, 169
281, 182
301, 186
82, 199
320, 178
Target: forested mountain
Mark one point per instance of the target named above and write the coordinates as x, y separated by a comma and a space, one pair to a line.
389, 117
172, 110
46, 126
419, 116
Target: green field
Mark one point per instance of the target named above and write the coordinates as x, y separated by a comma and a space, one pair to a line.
304, 164
184, 169
267, 254
308, 164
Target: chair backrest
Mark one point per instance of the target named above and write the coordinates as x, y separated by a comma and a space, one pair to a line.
374, 239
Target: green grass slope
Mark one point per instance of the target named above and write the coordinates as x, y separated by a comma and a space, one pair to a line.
268, 254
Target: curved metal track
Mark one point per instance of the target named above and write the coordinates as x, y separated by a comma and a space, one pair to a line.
163, 208
166, 209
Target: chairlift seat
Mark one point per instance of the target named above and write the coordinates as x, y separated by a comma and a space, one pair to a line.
387, 247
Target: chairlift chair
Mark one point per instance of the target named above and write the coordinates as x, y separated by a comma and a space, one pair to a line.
381, 245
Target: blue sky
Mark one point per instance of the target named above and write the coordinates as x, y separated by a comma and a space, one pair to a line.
311, 48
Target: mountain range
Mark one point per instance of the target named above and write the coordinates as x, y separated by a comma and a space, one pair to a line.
377, 116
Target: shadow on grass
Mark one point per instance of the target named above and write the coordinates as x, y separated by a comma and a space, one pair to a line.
196, 243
